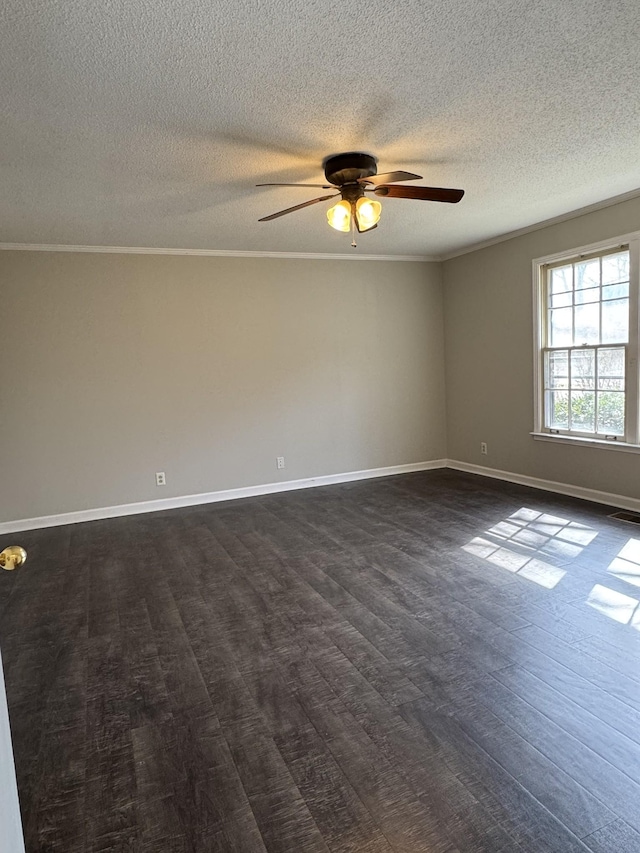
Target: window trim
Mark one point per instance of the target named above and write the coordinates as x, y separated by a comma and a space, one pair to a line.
581, 441
631, 440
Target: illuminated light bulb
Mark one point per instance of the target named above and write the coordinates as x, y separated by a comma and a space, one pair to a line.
368, 213
339, 216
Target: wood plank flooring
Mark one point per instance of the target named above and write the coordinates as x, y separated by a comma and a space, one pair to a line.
429, 662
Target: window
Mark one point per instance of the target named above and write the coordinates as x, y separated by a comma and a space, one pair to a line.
587, 344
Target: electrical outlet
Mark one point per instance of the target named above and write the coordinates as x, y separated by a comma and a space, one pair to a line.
279, 461
161, 480
483, 448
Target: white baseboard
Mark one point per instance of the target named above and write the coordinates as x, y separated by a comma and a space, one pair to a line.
621, 501
594, 495
211, 497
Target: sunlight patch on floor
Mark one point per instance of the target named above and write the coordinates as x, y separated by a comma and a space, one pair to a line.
626, 565
615, 605
518, 543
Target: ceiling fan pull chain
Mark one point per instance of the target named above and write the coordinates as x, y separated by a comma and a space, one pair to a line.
353, 233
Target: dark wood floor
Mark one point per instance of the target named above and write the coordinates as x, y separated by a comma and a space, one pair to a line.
431, 662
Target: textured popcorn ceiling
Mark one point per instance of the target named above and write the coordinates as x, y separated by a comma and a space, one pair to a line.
148, 122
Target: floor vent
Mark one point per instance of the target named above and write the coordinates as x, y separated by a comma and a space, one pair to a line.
631, 517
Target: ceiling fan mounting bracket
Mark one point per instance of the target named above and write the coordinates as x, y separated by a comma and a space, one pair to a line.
349, 168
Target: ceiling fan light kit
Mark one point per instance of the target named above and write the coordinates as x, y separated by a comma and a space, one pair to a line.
354, 174
364, 211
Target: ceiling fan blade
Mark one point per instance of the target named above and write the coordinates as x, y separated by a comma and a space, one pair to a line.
318, 186
390, 178
297, 207
423, 193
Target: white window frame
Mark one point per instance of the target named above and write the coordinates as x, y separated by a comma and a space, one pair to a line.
630, 442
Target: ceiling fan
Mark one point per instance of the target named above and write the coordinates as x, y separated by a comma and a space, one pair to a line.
354, 174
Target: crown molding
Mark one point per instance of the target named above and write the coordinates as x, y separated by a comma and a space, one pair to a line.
319, 256
208, 253
537, 226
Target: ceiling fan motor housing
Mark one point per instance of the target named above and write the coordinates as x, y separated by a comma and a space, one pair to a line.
349, 168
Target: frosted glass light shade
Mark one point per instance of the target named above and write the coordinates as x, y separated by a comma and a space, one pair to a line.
339, 216
368, 212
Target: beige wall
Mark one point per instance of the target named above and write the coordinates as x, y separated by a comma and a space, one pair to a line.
207, 369
489, 358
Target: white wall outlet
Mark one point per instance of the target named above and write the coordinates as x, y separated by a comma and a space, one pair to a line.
161, 480
279, 461
483, 448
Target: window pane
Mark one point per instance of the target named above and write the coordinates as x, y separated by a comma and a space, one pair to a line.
615, 291
615, 321
588, 273
611, 412
562, 280
558, 369
611, 369
591, 294
561, 300
587, 324
583, 410
560, 322
615, 268
583, 368
558, 409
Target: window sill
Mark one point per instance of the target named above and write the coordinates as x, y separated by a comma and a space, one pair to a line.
586, 442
